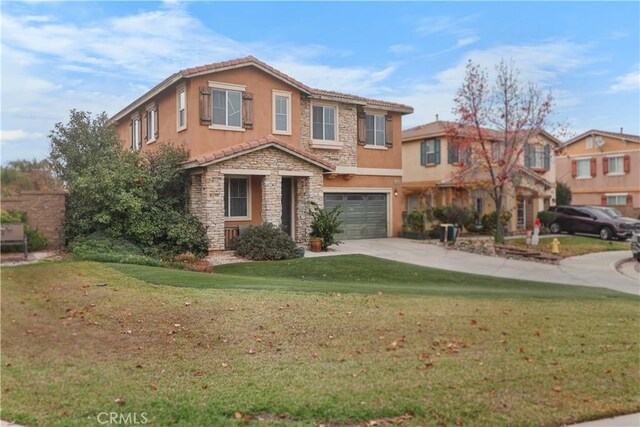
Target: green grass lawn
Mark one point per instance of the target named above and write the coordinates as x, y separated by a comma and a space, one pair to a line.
576, 245
311, 341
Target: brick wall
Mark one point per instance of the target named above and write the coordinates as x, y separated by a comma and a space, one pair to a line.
45, 211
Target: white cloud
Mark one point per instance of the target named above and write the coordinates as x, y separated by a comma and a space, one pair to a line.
466, 41
629, 81
15, 135
402, 49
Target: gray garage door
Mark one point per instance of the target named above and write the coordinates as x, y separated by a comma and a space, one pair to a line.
364, 215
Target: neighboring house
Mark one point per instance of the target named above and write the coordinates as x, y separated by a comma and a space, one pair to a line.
433, 165
264, 146
602, 168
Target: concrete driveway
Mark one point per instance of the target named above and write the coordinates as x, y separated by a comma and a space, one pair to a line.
597, 269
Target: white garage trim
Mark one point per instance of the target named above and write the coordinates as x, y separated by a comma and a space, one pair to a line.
387, 191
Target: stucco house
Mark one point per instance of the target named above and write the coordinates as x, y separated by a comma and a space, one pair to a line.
432, 166
263, 146
602, 168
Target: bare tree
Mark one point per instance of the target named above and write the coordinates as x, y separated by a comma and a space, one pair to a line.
494, 125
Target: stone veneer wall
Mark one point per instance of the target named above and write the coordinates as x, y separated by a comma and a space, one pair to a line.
347, 134
45, 211
207, 198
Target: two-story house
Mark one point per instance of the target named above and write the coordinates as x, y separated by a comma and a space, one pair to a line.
602, 168
263, 146
433, 164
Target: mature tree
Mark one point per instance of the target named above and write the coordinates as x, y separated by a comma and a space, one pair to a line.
506, 112
563, 193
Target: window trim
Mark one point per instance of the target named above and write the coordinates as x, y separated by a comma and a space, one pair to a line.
376, 116
334, 144
617, 156
152, 108
427, 152
588, 159
247, 179
227, 87
274, 94
625, 195
181, 89
136, 119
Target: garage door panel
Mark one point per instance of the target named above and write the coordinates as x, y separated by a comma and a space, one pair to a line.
364, 215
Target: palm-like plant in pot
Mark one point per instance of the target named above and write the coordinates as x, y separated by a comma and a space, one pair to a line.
325, 226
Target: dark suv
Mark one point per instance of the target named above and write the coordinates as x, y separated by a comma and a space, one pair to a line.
591, 220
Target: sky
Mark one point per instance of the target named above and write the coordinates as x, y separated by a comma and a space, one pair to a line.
100, 56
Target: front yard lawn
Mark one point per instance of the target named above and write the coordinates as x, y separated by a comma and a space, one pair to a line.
244, 344
576, 245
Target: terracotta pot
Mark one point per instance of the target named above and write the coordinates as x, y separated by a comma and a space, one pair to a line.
316, 245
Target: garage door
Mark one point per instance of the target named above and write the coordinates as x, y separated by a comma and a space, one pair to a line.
364, 215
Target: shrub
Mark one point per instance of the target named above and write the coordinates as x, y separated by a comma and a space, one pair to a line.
416, 220
452, 215
36, 240
563, 193
434, 233
490, 221
265, 242
325, 225
547, 217
101, 248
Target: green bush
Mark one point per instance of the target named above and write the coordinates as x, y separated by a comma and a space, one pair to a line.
265, 242
547, 218
416, 220
325, 225
452, 215
563, 193
36, 240
490, 221
434, 233
101, 248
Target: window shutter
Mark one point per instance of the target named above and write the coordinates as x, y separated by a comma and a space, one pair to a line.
423, 153
450, 152
629, 200
437, 149
605, 165
247, 110
205, 106
145, 127
388, 131
604, 200
156, 130
627, 163
547, 157
574, 168
131, 133
594, 166
362, 126
527, 155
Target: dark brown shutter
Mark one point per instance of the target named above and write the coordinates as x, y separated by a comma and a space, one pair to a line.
205, 105
388, 130
629, 200
362, 126
605, 165
247, 110
627, 163
574, 168
131, 132
143, 123
156, 126
594, 167
603, 200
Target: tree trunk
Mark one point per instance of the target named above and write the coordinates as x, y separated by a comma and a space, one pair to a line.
499, 232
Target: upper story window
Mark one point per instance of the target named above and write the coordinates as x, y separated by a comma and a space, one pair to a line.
537, 156
151, 122
375, 132
227, 108
281, 112
497, 149
324, 122
430, 152
615, 165
181, 108
583, 168
135, 133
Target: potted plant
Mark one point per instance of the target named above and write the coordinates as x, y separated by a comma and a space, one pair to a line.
324, 227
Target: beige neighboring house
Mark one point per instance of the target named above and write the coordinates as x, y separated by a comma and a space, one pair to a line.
431, 164
602, 168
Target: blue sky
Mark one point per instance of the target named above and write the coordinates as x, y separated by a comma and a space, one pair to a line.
100, 56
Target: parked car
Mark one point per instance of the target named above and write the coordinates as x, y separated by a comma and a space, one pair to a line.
592, 220
635, 246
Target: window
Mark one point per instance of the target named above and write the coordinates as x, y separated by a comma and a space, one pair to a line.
324, 123
537, 157
135, 133
236, 198
583, 168
413, 204
496, 151
281, 112
430, 152
151, 118
375, 132
181, 114
616, 199
521, 213
227, 108
616, 165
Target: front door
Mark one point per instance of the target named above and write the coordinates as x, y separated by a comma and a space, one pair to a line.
287, 205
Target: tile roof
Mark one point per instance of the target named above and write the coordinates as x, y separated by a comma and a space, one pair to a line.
619, 135
258, 144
